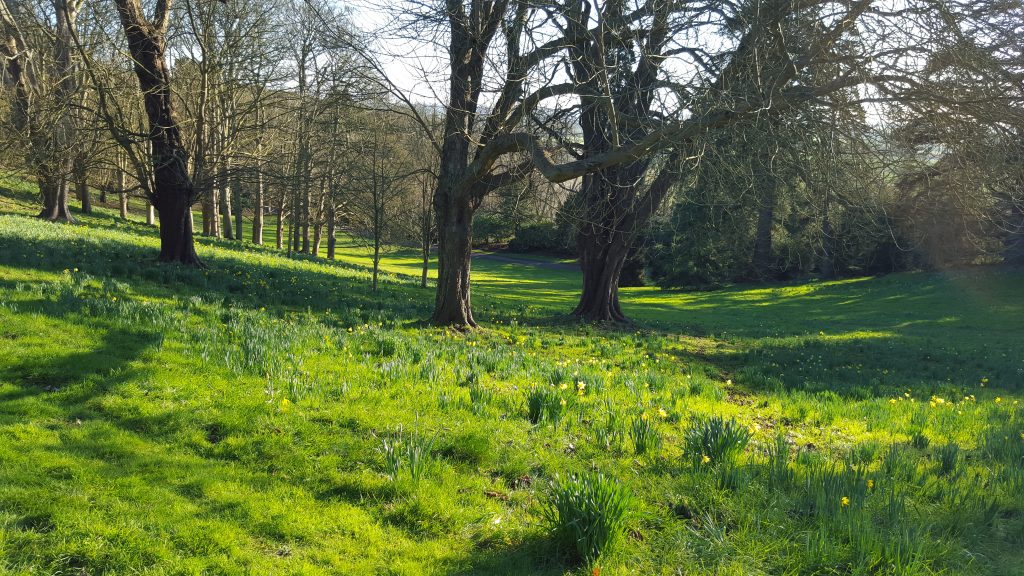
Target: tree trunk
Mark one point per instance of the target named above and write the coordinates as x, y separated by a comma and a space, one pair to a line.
452, 305
150, 214
331, 231
293, 224
176, 242
305, 218
257, 216
82, 186
376, 262
426, 265
225, 199
122, 184
602, 254
173, 193
237, 202
280, 221
54, 190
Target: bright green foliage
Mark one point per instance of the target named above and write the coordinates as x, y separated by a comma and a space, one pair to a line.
587, 513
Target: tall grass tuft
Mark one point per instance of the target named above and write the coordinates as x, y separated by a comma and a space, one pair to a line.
587, 513
714, 440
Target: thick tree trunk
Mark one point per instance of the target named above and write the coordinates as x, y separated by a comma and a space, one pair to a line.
54, 190
602, 255
173, 193
452, 305
176, 242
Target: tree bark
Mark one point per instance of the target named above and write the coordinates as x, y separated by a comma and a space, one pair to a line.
122, 184
452, 304
173, 192
280, 219
225, 200
331, 229
54, 191
82, 186
257, 217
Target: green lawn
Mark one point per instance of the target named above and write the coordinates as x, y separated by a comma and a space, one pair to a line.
272, 415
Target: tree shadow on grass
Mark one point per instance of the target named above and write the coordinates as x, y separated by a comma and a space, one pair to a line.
109, 360
339, 292
534, 555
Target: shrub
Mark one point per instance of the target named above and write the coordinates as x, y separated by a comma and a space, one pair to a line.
716, 439
542, 237
587, 513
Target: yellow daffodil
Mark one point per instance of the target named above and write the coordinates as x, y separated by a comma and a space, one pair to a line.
662, 413
643, 416
844, 502
564, 386
285, 404
705, 459
871, 484
998, 399
562, 402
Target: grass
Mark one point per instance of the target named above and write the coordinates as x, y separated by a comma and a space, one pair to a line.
272, 415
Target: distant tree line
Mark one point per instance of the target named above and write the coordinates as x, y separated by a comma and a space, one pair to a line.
691, 143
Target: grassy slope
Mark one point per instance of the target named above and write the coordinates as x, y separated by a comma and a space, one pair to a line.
143, 426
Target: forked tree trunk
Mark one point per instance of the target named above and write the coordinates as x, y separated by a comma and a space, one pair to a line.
54, 190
